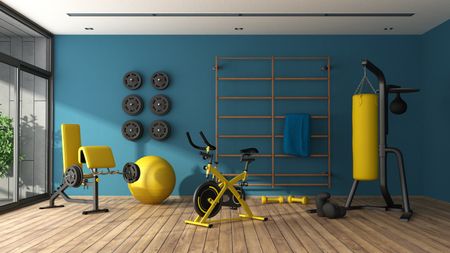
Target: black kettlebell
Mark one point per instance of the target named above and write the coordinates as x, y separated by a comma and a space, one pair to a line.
333, 211
398, 105
321, 199
325, 208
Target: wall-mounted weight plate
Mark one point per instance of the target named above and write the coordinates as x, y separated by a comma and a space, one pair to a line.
132, 104
73, 176
131, 172
159, 130
160, 80
132, 130
132, 80
160, 104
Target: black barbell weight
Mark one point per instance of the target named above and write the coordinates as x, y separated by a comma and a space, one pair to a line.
132, 104
160, 80
132, 130
132, 80
160, 104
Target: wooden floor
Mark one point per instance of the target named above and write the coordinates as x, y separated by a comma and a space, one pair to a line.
133, 227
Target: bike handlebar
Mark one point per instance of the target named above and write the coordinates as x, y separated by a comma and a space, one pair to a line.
211, 147
192, 143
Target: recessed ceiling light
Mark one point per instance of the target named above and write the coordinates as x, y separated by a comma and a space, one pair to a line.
238, 28
89, 28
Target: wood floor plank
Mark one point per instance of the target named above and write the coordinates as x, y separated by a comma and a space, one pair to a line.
434, 203
225, 233
99, 228
186, 238
382, 240
292, 219
392, 235
267, 244
60, 239
149, 235
130, 241
351, 239
56, 222
50, 231
199, 239
37, 220
419, 224
113, 230
134, 227
161, 236
28, 211
238, 238
23, 214
123, 235
251, 237
175, 235
329, 237
415, 231
294, 244
431, 214
409, 235
212, 236
323, 244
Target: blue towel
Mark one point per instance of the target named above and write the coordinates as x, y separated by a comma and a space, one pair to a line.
296, 134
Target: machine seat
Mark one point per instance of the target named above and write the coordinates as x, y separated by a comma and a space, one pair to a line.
249, 151
96, 157
246, 154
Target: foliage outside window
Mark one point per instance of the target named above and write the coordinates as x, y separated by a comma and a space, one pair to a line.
6, 144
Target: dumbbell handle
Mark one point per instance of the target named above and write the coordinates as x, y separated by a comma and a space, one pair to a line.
303, 200
265, 199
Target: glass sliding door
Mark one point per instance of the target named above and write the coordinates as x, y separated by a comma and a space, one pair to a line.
33, 133
25, 110
8, 80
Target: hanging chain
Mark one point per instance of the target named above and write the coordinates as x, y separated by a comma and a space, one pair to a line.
364, 80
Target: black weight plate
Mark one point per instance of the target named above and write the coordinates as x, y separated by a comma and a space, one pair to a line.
131, 172
132, 130
204, 195
132, 104
132, 80
159, 130
242, 193
160, 104
160, 80
73, 176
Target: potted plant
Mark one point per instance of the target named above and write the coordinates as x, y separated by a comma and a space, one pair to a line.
6, 144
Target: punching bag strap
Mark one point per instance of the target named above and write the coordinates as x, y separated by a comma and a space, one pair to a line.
364, 80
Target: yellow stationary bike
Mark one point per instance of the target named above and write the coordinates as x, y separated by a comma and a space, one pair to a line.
213, 194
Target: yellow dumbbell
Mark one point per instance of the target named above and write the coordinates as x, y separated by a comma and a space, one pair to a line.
265, 199
303, 200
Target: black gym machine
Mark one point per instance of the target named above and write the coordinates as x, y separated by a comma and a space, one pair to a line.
74, 177
398, 106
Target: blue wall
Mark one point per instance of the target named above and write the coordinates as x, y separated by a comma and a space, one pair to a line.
89, 91
436, 89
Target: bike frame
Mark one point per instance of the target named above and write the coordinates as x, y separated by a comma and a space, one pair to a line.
224, 185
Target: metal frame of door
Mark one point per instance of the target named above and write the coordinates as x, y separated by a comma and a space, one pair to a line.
22, 66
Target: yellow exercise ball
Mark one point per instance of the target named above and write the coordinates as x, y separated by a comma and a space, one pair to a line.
156, 181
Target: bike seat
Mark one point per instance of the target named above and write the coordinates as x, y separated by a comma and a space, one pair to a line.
246, 154
249, 151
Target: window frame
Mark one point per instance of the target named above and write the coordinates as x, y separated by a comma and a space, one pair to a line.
46, 74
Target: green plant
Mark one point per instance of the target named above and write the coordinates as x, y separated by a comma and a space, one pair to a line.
6, 144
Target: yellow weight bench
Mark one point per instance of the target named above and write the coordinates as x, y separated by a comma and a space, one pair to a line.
74, 156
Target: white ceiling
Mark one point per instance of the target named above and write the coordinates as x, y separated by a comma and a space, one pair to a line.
52, 15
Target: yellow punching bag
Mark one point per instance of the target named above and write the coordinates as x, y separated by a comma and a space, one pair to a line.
365, 136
